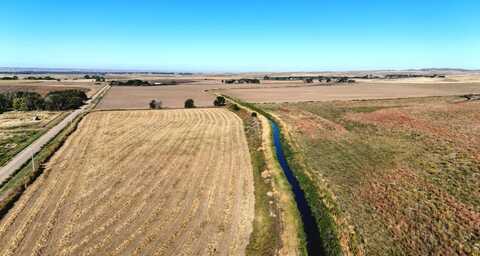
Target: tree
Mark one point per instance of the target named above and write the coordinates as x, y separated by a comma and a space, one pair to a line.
155, 104
189, 103
63, 100
152, 104
33, 100
20, 104
219, 101
4, 103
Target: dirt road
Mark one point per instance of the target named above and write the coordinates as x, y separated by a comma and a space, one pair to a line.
25, 155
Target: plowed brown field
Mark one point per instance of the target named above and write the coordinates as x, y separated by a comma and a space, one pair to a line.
172, 182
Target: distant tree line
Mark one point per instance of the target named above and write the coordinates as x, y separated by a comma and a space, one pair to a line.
9, 78
241, 81
311, 79
54, 101
40, 78
135, 82
397, 76
96, 77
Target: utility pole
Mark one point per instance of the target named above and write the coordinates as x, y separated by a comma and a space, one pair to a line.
33, 164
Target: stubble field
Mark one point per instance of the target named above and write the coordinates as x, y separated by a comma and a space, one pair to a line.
174, 182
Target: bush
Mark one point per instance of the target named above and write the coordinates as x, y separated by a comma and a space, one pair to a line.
219, 101
189, 103
235, 107
155, 104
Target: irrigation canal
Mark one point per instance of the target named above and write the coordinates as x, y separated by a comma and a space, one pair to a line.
314, 244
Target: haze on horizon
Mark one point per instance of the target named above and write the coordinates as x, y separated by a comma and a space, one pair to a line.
221, 36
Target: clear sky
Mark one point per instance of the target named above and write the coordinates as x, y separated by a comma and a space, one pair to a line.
247, 35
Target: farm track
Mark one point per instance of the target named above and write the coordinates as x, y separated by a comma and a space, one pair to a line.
143, 182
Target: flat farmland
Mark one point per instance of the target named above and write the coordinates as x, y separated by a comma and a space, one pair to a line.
127, 97
170, 182
358, 91
137, 97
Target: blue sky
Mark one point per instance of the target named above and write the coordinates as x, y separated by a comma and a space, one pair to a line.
262, 35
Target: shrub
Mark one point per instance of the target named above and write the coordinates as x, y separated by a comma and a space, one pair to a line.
219, 101
189, 103
155, 104
235, 107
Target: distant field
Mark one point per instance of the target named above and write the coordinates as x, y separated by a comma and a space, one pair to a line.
123, 97
170, 182
18, 129
43, 87
358, 91
405, 173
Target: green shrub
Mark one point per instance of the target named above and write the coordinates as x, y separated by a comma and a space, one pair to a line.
189, 103
219, 101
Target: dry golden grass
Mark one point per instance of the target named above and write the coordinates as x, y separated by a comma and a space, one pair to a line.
176, 182
403, 173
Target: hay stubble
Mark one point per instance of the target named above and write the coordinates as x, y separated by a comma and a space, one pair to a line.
173, 182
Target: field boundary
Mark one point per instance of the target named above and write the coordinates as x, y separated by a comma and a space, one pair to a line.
288, 207
289, 238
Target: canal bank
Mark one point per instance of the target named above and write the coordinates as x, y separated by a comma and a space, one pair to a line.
310, 227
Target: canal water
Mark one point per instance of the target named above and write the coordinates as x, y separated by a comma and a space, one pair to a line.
314, 245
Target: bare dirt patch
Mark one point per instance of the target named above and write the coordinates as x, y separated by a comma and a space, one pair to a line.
170, 182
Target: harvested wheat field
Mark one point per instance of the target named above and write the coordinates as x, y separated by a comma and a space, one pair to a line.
171, 182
